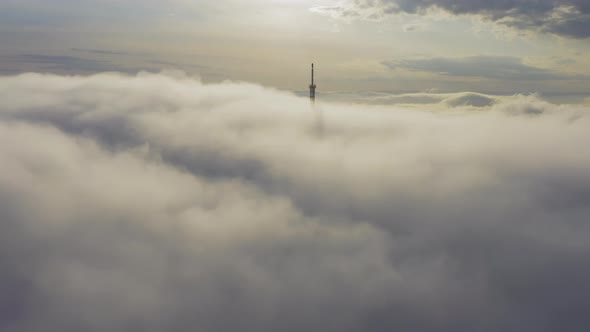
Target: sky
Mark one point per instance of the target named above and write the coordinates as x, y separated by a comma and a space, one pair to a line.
162, 168
360, 46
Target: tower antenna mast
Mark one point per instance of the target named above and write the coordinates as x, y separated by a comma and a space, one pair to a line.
312, 87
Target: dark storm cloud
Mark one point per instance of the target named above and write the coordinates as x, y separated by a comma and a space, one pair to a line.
104, 61
103, 52
57, 64
568, 18
176, 65
54, 60
494, 67
155, 203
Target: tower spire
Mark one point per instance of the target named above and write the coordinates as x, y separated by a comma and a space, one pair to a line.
312, 87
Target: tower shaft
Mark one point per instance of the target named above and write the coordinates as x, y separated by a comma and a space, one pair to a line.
312, 87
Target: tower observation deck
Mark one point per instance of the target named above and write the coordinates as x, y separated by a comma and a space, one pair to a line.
312, 86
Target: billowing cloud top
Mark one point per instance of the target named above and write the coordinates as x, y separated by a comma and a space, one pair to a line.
156, 203
568, 18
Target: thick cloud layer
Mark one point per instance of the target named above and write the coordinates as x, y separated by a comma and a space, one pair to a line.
494, 67
155, 203
569, 18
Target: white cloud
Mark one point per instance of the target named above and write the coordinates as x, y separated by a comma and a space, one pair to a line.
163, 204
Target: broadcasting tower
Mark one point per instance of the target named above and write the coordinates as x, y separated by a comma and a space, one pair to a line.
312, 87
